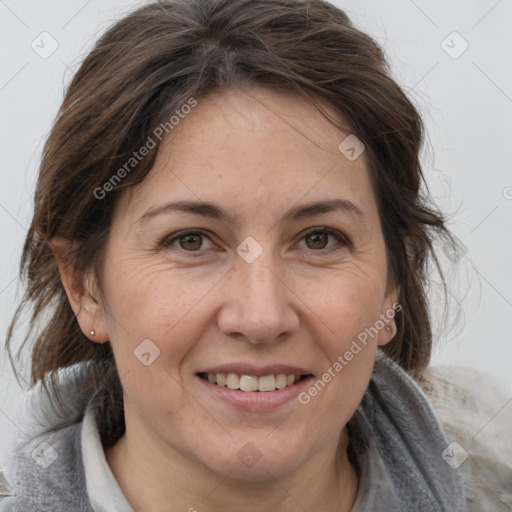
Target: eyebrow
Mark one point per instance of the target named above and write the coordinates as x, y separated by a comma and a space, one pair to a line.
319, 207
211, 210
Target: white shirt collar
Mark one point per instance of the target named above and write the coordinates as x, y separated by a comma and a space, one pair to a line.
103, 490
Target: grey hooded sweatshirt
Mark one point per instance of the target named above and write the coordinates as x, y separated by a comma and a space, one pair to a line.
397, 444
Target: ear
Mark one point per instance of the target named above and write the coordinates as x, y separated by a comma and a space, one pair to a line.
81, 291
390, 307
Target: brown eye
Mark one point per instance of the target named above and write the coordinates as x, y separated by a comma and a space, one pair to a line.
191, 242
324, 240
188, 241
317, 240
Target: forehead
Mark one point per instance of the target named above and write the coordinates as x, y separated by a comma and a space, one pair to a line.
258, 151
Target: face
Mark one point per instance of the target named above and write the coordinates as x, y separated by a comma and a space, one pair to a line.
253, 248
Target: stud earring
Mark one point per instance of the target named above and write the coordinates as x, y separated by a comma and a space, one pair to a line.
92, 332
391, 329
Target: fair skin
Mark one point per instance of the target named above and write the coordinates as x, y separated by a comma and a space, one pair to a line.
301, 303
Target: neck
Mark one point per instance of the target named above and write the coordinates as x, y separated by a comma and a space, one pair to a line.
151, 480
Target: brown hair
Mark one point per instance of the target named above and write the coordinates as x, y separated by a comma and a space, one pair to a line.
147, 66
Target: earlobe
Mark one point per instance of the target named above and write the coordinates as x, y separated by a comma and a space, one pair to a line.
388, 332
80, 291
390, 308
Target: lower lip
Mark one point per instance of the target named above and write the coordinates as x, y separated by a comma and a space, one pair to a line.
255, 401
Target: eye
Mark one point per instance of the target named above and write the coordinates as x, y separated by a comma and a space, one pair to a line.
189, 241
324, 239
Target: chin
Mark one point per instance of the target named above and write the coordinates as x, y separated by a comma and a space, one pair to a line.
255, 461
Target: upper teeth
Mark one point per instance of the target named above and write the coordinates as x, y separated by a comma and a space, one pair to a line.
252, 383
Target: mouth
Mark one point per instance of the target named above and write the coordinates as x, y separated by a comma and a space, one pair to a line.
253, 383
254, 388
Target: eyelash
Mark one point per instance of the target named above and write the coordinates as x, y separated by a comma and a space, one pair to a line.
340, 238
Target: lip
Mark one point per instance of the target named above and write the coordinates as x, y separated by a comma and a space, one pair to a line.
261, 371
257, 401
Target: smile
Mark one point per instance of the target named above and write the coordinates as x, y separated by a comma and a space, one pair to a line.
250, 383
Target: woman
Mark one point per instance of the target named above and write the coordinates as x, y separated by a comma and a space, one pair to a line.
228, 254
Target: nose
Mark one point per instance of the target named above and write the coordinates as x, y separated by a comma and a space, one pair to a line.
259, 304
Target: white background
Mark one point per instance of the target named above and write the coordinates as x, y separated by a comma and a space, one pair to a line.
466, 103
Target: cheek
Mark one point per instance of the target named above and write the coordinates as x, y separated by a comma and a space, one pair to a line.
150, 301
345, 320
351, 343
345, 302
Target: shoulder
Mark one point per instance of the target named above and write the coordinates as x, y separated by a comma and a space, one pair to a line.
410, 439
476, 416
47, 473
44, 469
